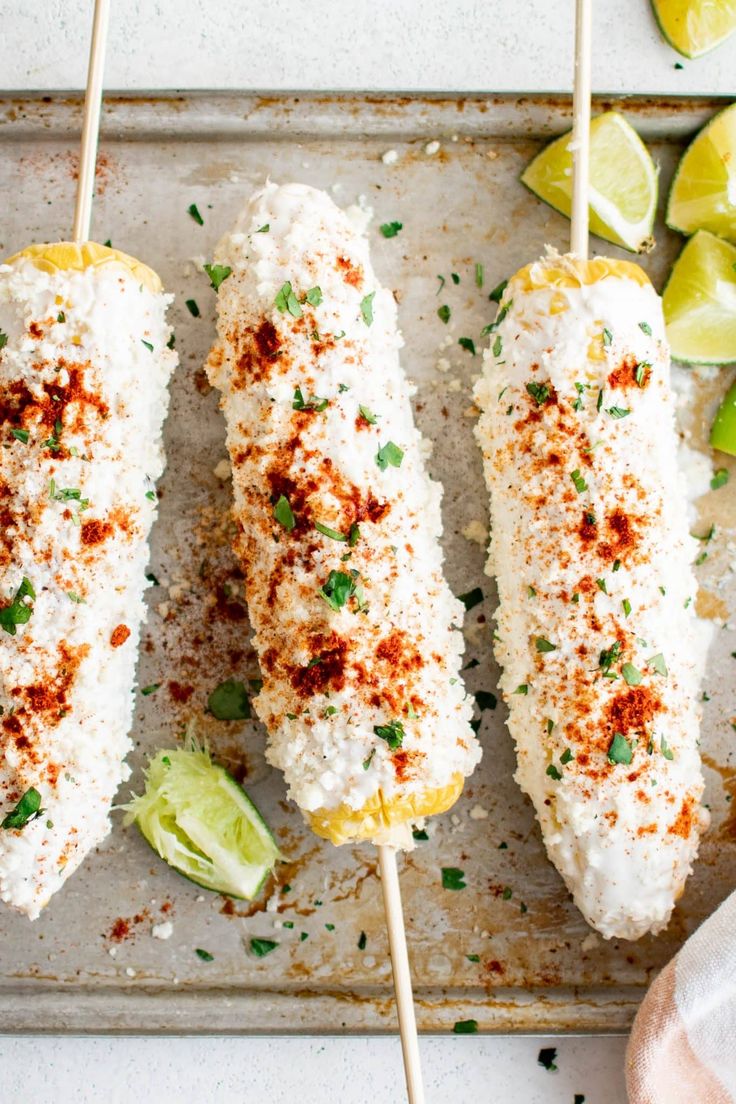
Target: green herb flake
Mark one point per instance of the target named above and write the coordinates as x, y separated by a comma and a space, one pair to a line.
333, 534
645, 328
18, 612
3, 339
546, 1058
27, 809
578, 479
217, 274
61, 317
640, 372
191, 305
620, 750
148, 690
601, 584
229, 701
497, 346
262, 947
367, 762
468, 344
21, 435
455, 278
553, 772
507, 893
148, 345
523, 689
452, 878
658, 664
720, 479
389, 454
368, 415
366, 308
286, 301
465, 1027
566, 757
313, 296
471, 598
442, 281
618, 411
664, 747
204, 955
338, 589
330, 927
391, 229
264, 229
607, 339
609, 656
193, 210
479, 276
497, 294
631, 674
76, 598
543, 645
315, 402
540, 392
392, 732
283, 513
362, 941
420, 835
473, 957
443, 313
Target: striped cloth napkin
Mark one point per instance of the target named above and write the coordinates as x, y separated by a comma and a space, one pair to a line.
682, 1048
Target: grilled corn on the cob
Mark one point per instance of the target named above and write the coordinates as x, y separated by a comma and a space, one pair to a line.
601, 650
84, 368
339, 526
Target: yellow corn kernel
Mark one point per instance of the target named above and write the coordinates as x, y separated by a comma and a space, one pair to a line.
569, 272
75, 257
345, 824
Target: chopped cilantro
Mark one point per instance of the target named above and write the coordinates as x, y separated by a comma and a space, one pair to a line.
452, 878
262, 947
566, 756
193, 210
362, 941
720, 478
540, 392
286, 301
579, 480
631, 674
442, 281
61, 317
455, 278
284, 514
28, 808
313, 296
546, 1058
640, 372
217, 274
366, 308
191, 305
609, 656
391, 229
618, 411
229, 701
607, 338
497, 293
664, 747
478, 275
465, 1027
507, 893
468, 344
473, 957
204, 955
264, 229
338, 589
18, 612
148, 690
315, 402
620, 750
471, 598
389, 454
601, 584
645, 328
420, 834
393, 733
626, 606
544, 645
553, 772
333, 534
148, 345
522, 689
658, 664
368, 415
443, 313
21, 435
330, 927
3, 339
367, 762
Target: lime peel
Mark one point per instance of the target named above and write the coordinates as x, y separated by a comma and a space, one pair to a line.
623, 181
202, 823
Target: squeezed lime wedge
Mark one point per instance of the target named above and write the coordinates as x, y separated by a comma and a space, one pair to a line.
201, 822
699, 302
623, 181
703, 192
694, 27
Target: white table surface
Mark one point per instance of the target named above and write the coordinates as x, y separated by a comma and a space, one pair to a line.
333, 44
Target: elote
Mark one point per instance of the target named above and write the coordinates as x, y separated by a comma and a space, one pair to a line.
84, 367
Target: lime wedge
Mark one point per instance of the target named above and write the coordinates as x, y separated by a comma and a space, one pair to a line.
623, 181
703, 192
201, 822
723, 433
694, 27
700, 302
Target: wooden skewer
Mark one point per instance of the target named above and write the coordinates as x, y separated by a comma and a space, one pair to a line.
402, 973
581, 128
91, 126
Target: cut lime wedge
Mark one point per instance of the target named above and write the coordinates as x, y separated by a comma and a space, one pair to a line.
723, 433
700, 302
694, 27
201, 822
703, 192
623, 181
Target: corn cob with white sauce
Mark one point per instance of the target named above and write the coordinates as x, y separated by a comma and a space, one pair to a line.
355, 627
84, 368
601, 651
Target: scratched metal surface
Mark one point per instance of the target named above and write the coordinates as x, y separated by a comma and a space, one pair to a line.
91, 963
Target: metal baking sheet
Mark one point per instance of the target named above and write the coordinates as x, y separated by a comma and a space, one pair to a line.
91, 962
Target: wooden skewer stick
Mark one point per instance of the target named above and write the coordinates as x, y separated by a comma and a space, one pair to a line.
401, 972
581, 128
91, 126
